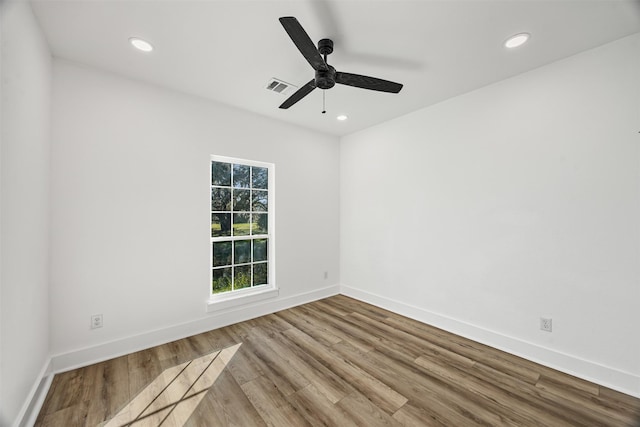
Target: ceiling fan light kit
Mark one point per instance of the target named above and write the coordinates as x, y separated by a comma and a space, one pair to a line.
326, 76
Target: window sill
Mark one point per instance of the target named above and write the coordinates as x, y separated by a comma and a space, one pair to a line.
223, 302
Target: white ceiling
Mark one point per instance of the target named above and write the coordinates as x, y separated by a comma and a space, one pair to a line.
227, 50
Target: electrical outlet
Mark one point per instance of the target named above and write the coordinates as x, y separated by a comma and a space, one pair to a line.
96, 321
545, 324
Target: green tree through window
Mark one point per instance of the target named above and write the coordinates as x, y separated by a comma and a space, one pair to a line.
240, 235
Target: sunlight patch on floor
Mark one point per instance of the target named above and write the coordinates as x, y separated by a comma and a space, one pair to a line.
172, 397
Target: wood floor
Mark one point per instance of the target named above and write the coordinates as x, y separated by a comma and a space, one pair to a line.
334, 362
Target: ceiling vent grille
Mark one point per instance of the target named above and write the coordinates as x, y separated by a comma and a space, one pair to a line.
278, 86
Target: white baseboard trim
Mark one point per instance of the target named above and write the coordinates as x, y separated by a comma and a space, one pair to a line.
108, 350
624, 382
35, 399
609, 377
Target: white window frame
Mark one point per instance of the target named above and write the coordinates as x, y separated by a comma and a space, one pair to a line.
238, 297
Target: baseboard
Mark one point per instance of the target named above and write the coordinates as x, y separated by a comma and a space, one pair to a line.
609, 377
624, 382
94, 354
35, 399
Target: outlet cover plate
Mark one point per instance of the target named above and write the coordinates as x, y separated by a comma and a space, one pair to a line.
546, 324
96, 321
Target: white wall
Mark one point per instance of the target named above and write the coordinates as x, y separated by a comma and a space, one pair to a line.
131, 202
24, 198
518, 200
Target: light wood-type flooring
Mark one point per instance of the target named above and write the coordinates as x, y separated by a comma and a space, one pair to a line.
334, 362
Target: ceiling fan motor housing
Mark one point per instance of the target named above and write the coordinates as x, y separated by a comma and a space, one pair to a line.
326, 79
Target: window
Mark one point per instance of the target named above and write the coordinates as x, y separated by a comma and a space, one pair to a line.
241, 227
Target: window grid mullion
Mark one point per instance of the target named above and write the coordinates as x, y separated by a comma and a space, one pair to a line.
251, 257
251, 205
233, 244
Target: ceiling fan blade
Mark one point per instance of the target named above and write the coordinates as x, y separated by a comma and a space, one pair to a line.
366, 82
300, 93
303, 42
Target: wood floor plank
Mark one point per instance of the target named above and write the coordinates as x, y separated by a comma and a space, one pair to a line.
243, 367
502, 402
238, 331
273, 324
318, 316
598, 412
65, 391
452, 407
281, 365
412, 416
364, 412
327, 383
74, 415
272, 404
379, 393
104, 403
318, 410
332, 385
276, 369
341, 328
621, 402
144, 367
333, 362
308, 326
326, 304
225, 401
219, 339
354, 306
529, 393
468, 349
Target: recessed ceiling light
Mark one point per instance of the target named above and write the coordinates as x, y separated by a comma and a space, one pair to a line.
140, 44
517, 40
342, 117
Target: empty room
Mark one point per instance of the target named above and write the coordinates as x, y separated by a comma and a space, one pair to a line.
320, 213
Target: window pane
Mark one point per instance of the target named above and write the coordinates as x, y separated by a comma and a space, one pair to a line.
220, 199
242, 277
241, 176
241, 224
260, 276
221, 280
259, 225
260, 177
242, 251
259, 201
260, 250
221, 254
241, 200
221, 173
220, 225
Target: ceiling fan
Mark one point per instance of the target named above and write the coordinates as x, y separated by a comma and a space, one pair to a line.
326, 76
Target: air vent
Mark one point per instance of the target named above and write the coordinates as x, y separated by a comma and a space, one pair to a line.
278, 86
